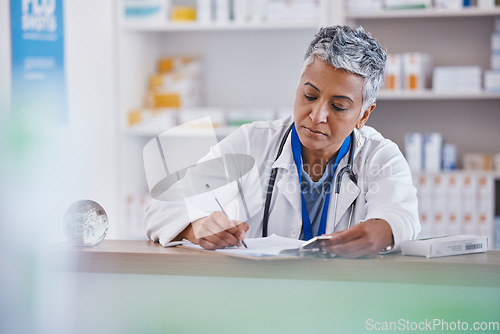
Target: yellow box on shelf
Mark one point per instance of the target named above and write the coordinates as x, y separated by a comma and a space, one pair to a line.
176, 84
175, 63
151, 120
170, 100
134, 117
182, 14
155, 81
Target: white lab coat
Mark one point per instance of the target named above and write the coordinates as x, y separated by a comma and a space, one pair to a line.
384, 188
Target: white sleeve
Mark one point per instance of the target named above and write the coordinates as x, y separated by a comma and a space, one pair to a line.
390, 193
165, 219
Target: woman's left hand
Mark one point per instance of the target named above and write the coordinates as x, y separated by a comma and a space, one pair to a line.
367, 238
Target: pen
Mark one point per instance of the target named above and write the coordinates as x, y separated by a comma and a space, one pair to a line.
222, 209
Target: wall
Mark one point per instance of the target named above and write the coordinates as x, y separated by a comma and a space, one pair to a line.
245, 68
91, 79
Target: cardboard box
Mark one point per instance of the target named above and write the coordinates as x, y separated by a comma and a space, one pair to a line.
486, 4
448, 4
433, 151
469, 203
407, 4
495, 60
393, 80
496, 163
454, 214
495, 41
492, 81
354, 6
457, 78
445, 246
478, 161
486, 207
417, 69
439, 205
449, 157
423, 184
414, 151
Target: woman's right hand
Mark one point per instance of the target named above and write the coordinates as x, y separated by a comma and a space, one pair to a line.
216, 231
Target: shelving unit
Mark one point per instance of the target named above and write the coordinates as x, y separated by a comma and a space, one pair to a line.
424, 13
220, 132
452, 38
429, 95
257, 65
179, 27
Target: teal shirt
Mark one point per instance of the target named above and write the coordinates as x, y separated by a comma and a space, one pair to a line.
314, 196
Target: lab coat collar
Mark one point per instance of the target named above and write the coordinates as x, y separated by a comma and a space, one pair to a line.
285, 160
360, 141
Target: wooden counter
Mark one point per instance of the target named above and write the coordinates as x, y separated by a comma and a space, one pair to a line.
146, 257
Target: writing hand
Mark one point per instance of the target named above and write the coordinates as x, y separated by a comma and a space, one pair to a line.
216, 231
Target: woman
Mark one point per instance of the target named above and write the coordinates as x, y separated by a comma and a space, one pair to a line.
341, 76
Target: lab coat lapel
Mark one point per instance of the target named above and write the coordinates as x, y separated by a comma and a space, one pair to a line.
349, 191
287, 182
288, 186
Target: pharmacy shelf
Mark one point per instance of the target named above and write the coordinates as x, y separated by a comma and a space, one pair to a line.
220, 132
423, 13
431, 95
493, 173
140, 26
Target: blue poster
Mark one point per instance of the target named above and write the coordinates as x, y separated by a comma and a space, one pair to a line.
38, 76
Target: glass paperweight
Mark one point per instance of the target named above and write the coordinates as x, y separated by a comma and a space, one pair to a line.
85, 223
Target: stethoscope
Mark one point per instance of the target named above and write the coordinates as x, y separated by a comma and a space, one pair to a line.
338, 182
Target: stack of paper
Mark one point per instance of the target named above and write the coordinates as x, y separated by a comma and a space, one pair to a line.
269, 247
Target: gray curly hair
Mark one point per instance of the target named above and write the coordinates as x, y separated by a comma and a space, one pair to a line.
353, 50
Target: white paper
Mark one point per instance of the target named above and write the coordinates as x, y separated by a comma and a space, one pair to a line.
270, 246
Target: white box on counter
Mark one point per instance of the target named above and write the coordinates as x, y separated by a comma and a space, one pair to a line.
445, 246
